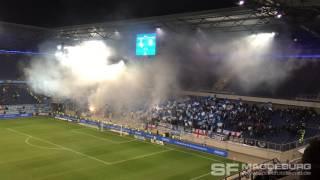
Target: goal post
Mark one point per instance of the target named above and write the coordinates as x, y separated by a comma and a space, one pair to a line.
101, 126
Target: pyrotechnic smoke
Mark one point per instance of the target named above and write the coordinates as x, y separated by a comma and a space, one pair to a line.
244, 61
85, 73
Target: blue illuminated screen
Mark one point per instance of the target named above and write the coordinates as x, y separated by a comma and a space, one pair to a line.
146, 44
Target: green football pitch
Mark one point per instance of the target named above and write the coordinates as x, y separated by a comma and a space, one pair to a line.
44, 148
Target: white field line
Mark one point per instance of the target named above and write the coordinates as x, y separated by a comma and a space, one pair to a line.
87, 156
117, 162
60, 146
103, 139
201, 176
190, 153
147, 142
140, 157
198, 155
185, 152
125, 160
40, 147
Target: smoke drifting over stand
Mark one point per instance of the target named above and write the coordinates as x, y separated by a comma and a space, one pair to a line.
244, 60
85, 72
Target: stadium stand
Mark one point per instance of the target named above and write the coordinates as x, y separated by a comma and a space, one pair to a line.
225, 119
16, 94
17, 98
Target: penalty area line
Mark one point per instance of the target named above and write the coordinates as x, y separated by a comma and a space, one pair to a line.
60, 146
40, 147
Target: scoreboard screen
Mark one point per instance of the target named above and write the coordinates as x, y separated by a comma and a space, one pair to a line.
146, 44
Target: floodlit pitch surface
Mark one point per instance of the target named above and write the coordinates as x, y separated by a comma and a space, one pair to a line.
48, 149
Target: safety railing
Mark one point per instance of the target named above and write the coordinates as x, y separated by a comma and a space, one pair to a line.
272, 145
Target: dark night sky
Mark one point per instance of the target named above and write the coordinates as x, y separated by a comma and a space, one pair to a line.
55, 13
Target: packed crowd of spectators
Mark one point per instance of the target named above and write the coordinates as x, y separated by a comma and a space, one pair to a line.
250, 120
232, 118
11, 94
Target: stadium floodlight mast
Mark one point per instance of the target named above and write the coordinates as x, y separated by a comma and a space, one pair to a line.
279, 15
59, 47
261, 40
159, 31
117, 34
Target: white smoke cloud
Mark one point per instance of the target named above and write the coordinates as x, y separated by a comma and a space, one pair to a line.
89, 63
85, 73
248, 61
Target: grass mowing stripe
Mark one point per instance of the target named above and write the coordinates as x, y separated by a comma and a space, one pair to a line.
62, 147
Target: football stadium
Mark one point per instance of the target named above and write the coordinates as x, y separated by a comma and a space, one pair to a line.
195, 90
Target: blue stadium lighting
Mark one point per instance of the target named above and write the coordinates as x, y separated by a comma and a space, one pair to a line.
2, 51
281, 57
301, 56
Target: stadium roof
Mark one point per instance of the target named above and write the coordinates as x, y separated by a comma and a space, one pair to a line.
22, 37
259, 15
256, 15
231, 19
